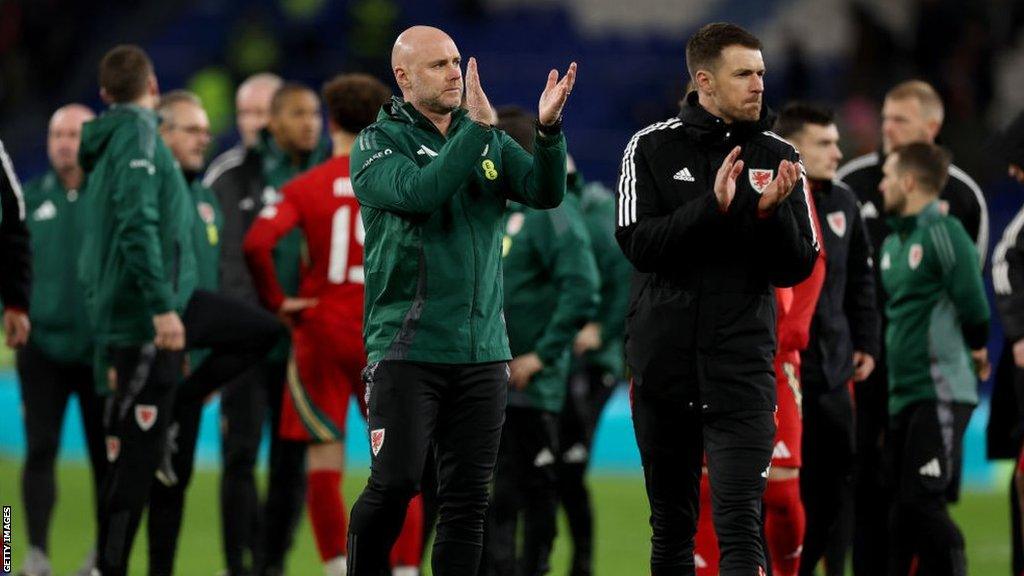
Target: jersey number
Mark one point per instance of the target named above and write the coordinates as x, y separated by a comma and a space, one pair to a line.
338, 270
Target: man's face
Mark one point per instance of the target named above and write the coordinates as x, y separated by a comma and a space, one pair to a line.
252, 110
819, 150
64, 135
904, 121
432, 76
187, 134
893, 186
737, 84
296, 126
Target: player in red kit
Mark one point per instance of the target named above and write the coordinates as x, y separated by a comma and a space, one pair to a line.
784, 520
327, 317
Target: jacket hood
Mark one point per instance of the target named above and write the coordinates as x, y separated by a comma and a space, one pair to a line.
706, 127
97, 134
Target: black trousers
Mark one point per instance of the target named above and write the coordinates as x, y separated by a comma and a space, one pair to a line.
673, 439
826, 478
238, 335
925, 456
525, 483
871, 490
459, 409
589, 391
135, 418
46, 385
257, 538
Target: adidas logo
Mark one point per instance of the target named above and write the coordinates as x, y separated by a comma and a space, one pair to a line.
424, 150
684, 175
781, 451
868, 210
46, 211
544, 458
932, 469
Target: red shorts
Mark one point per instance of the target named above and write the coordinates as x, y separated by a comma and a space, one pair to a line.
1020, 462
788, 417
323, 372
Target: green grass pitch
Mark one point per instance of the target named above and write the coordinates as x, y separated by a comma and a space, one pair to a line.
622, 530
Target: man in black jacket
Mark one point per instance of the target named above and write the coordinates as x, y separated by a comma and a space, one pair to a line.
843, 340
245, 184
712, 213
14, 255
912, 112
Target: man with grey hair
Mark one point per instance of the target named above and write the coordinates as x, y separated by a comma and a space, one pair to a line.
56, 362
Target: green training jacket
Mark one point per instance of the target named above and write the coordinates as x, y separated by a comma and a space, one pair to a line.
206, 228
433, 207
598, 207
60, 327
551, 291
936, 309
137, 258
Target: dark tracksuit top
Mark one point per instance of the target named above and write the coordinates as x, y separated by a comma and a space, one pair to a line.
433, 207
846, 318
60, 326
1006, 422
701, 319
551, 291
14, 242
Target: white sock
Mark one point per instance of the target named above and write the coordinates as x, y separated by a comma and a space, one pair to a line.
406, 571
335, 567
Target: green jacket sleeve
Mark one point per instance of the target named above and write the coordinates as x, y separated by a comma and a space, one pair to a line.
135, 205
614, 269
961, 275
567, 253
537, 181
388, 180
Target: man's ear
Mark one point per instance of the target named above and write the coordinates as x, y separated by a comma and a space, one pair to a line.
402, 78
105, 97
933, 126
704, 81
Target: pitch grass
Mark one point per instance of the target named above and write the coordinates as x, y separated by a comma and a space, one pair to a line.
622, 531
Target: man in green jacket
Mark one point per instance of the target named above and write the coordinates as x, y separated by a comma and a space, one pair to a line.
551, 291
139, 273
433, 180
938, 326
57, 360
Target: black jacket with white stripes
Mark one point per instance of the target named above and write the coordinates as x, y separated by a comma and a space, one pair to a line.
15, 255
962, 197
1006, 420
701, 321
846, 317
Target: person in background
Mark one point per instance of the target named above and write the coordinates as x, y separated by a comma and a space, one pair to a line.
252, 112
551, 291
291, 143
15, 255
938, 320
912, 112
842, 345
56, 362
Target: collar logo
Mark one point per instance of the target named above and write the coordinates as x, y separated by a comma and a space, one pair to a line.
760, 179
837, 222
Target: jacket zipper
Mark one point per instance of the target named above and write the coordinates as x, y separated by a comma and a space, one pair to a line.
472, 304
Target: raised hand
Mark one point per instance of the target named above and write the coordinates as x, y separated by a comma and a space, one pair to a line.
725, 180
556, 92
780, 188
476, 101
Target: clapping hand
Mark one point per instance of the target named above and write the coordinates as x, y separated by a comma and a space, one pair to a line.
780, 188
476, 101
556, 92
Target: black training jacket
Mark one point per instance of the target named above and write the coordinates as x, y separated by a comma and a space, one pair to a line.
846, 318
15, 256
701, 320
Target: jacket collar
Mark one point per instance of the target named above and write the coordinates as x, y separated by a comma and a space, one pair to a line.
907, 224
708, 128
401, 111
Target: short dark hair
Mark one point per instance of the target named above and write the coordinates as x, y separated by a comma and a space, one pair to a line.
353, 100
796, 115
286, 90
928, 162
518, 123
125, 72
706, 45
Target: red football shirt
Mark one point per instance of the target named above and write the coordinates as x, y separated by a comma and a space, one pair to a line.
322, 203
